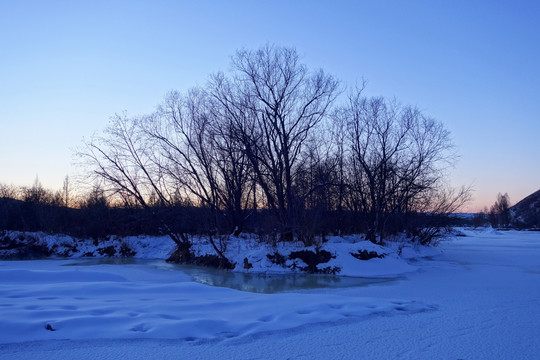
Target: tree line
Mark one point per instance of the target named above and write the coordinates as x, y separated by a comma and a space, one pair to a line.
271, 135
502, 215
274, 148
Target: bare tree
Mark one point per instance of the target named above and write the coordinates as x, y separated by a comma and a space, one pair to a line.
195, 149
8, 192
37, 194
432, 210
236, 180
499, 212
256, 137
182, 151
121, 161
275, 103
396, 156
66, 189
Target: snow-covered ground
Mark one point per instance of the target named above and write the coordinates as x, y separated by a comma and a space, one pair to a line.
247, 249
476, 297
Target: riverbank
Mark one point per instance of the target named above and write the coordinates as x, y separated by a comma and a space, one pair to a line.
345, 256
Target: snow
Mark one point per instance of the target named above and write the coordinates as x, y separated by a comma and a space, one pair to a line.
474, 297
84, 301
397, 252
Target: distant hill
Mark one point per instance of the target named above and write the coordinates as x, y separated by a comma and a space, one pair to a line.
526, 213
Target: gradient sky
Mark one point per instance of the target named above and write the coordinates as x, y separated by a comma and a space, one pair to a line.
67, 66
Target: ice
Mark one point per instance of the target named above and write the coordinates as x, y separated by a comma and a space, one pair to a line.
475, 297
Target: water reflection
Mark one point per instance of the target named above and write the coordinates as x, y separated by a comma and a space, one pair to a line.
251, 282
274, 283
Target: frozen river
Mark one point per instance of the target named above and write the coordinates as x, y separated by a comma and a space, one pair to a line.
479, 299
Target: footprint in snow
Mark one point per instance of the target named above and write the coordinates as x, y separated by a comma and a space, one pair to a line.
266, 318
101, 312
169, 317
140, 328
336, 307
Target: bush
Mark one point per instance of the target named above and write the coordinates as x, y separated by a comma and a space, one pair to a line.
312, 259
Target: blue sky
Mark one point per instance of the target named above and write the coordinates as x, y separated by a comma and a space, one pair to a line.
67, 66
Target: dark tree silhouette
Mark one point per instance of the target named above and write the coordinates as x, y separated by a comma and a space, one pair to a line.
396, 161
499, 214
275, 105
